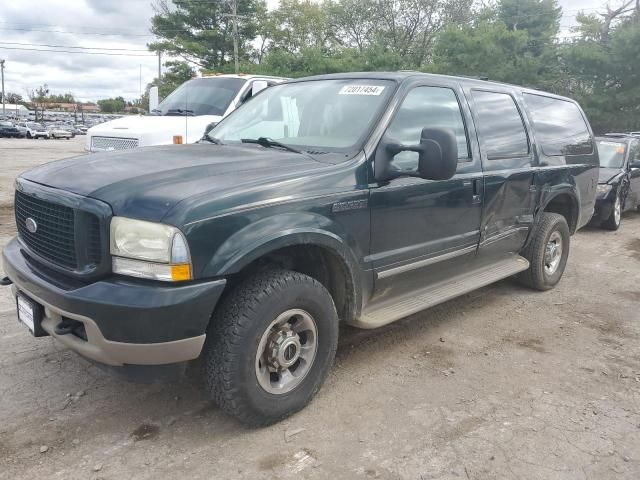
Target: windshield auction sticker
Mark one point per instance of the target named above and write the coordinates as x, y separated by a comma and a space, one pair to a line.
360, 90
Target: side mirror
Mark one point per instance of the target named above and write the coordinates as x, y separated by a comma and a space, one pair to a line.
635, 163
437, 156
153, 99
258, 86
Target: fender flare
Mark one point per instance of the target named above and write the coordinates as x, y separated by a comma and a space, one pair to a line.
549, 194
229, 259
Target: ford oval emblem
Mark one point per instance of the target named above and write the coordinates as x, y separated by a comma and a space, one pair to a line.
31, 225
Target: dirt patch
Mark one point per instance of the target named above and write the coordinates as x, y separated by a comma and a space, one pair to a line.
531, 343
634, 248
633, 295
146, 431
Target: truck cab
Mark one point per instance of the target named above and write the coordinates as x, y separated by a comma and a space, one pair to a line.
356, 198
183, 116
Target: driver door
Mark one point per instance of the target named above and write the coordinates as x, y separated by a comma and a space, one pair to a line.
423, 229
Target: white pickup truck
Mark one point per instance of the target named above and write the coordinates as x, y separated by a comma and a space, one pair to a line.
183, 116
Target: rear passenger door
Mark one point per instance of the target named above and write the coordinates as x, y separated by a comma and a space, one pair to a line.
507, 164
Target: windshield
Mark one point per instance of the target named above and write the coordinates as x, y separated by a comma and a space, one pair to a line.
201, 96
611, 154
35, 126
332, 115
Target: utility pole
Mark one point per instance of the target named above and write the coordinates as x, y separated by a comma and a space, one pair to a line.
2, 73
234, 12
234, 18
159, 67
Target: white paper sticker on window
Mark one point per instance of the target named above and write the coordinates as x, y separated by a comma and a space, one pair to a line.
361, 90
612, 144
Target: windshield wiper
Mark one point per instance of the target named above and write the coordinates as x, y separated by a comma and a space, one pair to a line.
156, 111
269, 143
181, 111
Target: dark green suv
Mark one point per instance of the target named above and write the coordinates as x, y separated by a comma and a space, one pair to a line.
358, 198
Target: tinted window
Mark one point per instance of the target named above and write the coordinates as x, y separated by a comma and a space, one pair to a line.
433, 107
559, 126
201, 96
500, 125
635, 150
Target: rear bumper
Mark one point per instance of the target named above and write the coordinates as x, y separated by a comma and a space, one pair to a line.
126, 322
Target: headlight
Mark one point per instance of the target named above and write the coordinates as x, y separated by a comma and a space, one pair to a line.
603, 189
149, 250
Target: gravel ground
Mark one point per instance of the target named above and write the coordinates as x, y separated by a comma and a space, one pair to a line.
501, 383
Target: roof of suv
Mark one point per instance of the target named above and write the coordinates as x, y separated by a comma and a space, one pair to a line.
402, 75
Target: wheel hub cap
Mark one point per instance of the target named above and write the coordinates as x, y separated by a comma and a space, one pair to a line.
553, 253
286, 351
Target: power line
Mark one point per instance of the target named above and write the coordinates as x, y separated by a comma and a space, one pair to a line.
74, 47
72, 51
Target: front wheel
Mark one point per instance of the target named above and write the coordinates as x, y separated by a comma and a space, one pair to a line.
613, 221
270, 346
547, 252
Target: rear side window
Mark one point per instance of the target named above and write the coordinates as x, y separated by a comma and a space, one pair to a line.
500, 125
559, 126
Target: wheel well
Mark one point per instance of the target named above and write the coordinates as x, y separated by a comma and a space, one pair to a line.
320, 263
565, 205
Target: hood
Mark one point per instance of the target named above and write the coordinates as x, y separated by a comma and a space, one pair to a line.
155, 129
145, 183
607, 174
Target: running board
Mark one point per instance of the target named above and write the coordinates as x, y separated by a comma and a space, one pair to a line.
389, 311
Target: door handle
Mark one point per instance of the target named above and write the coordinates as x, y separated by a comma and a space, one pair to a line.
476, 191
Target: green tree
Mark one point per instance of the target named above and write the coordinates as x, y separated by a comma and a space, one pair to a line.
112, 105
201, 31
605, 76
38, 98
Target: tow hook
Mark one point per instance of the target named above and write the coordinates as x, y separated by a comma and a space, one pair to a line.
66, 326
5, 281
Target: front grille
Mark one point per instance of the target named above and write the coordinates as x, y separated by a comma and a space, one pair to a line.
112, 143
55, 237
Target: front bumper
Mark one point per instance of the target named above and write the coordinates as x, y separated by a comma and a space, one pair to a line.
604, 207
126, 322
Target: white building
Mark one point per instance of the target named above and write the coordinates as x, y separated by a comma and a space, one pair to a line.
14, 110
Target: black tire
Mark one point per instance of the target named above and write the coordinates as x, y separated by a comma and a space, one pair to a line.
613, 222
29, 135
537, 276
236, 330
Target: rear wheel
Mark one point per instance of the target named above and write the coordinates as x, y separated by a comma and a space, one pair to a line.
270, 346
613, 222
547, 252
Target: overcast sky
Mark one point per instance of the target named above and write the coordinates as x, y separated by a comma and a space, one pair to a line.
113, 24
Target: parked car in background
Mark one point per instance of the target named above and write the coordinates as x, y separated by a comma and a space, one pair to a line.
22, 130
80, 129
60, 132
183, 116
36, 130
8, 129
359, 198
619, 178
